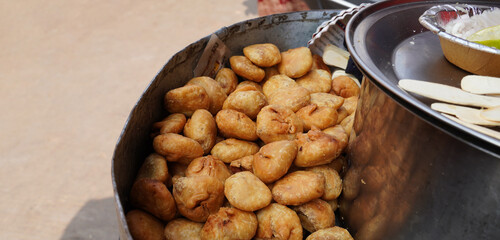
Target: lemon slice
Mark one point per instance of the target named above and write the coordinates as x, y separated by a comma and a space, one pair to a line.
488, 36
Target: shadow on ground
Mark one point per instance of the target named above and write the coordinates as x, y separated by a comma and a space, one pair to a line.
96, 220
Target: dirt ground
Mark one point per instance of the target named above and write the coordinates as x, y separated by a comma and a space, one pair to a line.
70, 72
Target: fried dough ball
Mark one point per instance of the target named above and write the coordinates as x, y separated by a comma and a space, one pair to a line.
342, 113
230, 224
201, 128
227, 79
345, 87
339, 134
336, 233
153, 196
315, 215
273, 160
232, 149
215, 92
350, 104
143, 226
333, 204
177, 148
339, 164
315, 148
347, 123
275, 123
234, 124
247, 102
247, 192
248, 86
263, 55
319, 64
298, 187
154, 167
243, 67
327, 100
277, 82
199, 196
316, 81
180, 229
278, 222
208, 166
187, 99
173, 123
295, 62
317, 116
242, 164
333, 182
293, 97
270, 71
351, 184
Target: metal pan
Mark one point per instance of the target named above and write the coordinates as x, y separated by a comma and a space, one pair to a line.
437, 179
288, 30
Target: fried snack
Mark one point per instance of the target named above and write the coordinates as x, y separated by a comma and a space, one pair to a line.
180, 229
173, 123
227, 79
248, 86
247, 192
234, 124
215, 92
247, 102
342, 114
292, 97
350, 104
278, 222
345, 87
177, 148
231, 149
275, 123
208, 166
333, 182
270, 71
339, 164
319, 64
230, 224
333, 204
327, 100
273, 160
186, 100
316, 81
347, 123
263, 55
351, 184
153, 196
315, 148
298, 187
244, 68
143, 226
336, 233
339, 134
242, 164
321, 117
201, 128
295, 62
315, 215
277, 82
199, 196
154, 167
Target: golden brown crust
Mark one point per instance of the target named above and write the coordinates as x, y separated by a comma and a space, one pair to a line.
316, 81
315, 215
227, 79
295, 62
247, 102
273, 160
153, 197
275, 123
143, 226
345, 87
214, 91
292, 97
234, 124
247, 192
315, 148
154, 167
298, 187
317, 116
263, 55
186, 100
230, 224
177, 148
336, 233
231, 149
278, 222
201, 127
208, 166
243, 67
180, 229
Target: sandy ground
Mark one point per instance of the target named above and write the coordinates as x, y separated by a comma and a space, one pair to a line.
70, 72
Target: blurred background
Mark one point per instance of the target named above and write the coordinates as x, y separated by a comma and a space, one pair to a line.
70, 72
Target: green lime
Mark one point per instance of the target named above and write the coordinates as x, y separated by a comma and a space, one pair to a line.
488, 36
